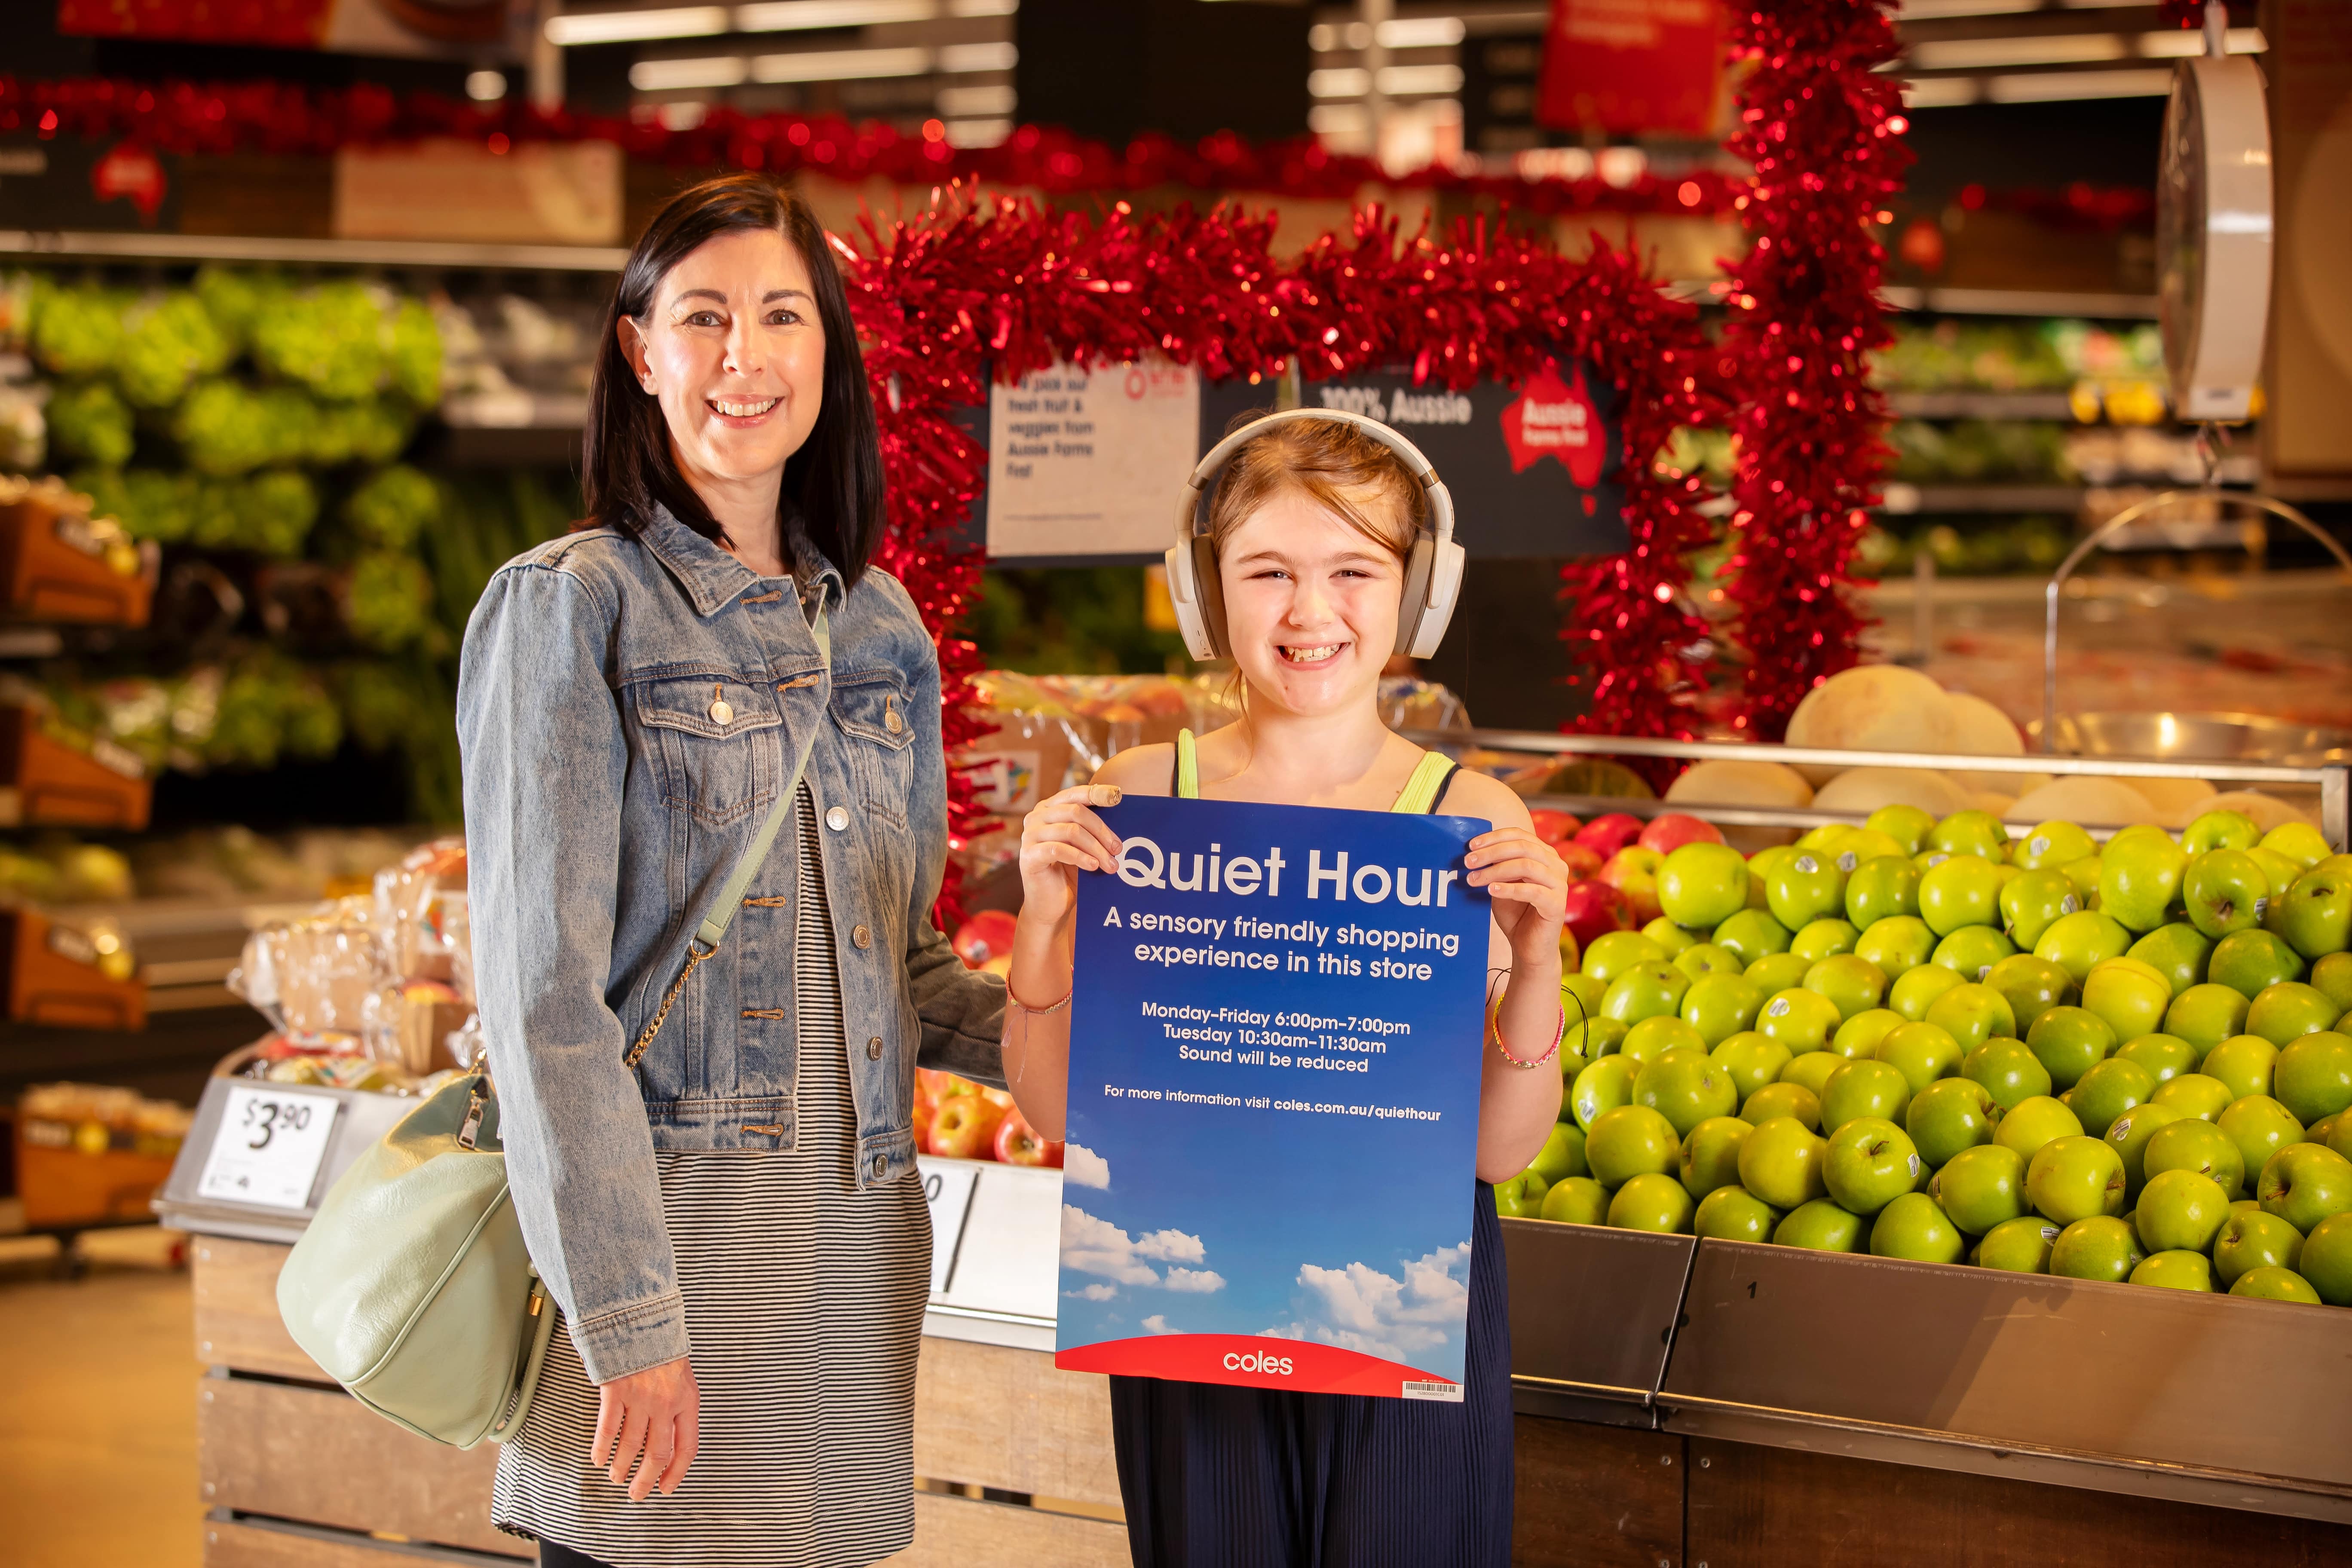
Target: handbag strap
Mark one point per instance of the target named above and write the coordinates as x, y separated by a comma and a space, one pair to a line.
721, 913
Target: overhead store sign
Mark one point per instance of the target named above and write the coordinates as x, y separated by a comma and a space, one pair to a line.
1633, 67
449, 28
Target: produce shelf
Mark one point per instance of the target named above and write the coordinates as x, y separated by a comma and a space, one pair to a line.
1901, 499
2055, 405
66, 244
1606, 1303
2022, 302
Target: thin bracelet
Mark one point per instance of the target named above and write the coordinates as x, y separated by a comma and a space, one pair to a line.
1505, 1050
1041, 1012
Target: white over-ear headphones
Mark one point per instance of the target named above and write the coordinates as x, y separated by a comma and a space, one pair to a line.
1433, 572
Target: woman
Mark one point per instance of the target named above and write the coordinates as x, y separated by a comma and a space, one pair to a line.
711, 1149
1312, 524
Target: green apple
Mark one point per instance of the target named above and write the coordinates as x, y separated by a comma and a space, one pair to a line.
1981, 1187
1701, 884
1861, 1035
2244, 1063
2251, 962
2275, 1285
2180, 1211
2074, 1178
1947, 1117
2028, 1124
1580, 1200
1600, 1087
1972, 951
2107, 1091
1652, 1038
2031, 902
1881, 888
1702, 958
2128, 996
1720, 1005
1562, 1156
2332, 975
1963, 891
2189, 1144
2102, 1247
1628, 1141
1922, 1053
2178, 950
2081, 941
1912, 1228
1804, 888
1648, 990
1819, 1226
2070, 1041
2018, 1246
1823, 938
1853, 985
2192, 1094
1750, 1060
2315, 914
2312, 1075
2325, 1263
2327, 1128
1685, 1087
1811, 1070
2260, 1127
1906, 825
2162, 1056
2031, 986
1853, 846
1710, 1155
1915, 991
2299, 842
2289, 1010
1751, 934
2303, 1183
1978, 833
1579, 995
1791, 1099
1672, 939
1863, 1087
1611, 954
1778, 971
1652, 1201
1799, 1019
1595, 1038
2140, 875
2282, 874
2084, 875
1734, 1213
2131, 1133
1521, 1197
2221, 830
2007, 1070
2206, 1015
1870, 1161
2051, 846
1972, 1013
2224, 890
1781, 1162
2251, 1239
2175, 1270
1897, 944
1760, 870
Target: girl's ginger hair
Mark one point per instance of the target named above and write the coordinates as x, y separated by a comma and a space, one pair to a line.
1335, 464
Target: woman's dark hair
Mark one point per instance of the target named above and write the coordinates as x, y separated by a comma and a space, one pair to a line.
833, 485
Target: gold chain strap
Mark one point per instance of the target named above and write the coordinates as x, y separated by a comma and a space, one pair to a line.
637, 1052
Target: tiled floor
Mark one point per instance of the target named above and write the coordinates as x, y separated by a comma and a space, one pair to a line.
97, 1424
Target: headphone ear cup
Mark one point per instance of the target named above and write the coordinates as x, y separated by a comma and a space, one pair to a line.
1444, 591
1414, 607
1208, 594
1186, 598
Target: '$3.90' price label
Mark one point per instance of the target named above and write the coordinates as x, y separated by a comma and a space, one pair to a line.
268, 1147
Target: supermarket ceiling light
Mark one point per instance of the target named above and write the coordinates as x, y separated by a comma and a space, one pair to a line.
2072, 48
1396, 81
2056, 87
974, 103
684, 75
840, 65
772, 17
1404, 33
627, 27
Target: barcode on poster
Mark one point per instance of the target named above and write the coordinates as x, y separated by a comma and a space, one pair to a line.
1449, 1392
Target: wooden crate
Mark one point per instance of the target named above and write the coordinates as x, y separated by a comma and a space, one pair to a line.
1007, 1419
56, 785
45, 980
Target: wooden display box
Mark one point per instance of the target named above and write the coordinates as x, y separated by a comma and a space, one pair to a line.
43, 981
62, 1187
57, 787
52, 569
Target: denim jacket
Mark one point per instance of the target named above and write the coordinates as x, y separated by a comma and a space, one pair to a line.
629, 710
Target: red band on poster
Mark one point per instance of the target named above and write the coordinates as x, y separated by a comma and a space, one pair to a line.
1248, 1361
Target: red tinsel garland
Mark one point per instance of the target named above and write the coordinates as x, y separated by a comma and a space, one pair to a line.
271, 117
967, 290
1823, 128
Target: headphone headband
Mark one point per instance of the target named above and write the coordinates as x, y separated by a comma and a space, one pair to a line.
1202, 484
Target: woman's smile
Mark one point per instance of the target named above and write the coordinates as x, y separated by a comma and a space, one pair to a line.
741, 412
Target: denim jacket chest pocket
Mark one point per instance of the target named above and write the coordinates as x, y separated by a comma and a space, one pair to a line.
709, 735
869, 707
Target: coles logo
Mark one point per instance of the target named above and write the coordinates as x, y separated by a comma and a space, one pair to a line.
1275, 1365
1556, 419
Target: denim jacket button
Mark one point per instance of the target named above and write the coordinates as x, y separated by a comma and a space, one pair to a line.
837, 819
862, 937
874, 1049
881, 1163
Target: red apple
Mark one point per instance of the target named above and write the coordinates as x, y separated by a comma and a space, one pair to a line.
1669, 833
931, 1086
1555, 828
986, 935
964, 1126
924, 1111
1604, 835
1018, 1143
1633, 872
1594, 908
1580, 861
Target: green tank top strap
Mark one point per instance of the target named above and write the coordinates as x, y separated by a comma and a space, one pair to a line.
1187, 766
1421, 792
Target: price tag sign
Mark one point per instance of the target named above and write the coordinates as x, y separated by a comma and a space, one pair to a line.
947, 1187
268, 1147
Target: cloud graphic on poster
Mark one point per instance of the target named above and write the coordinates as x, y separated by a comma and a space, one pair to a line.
1094, 1292
1157, 1324
1093, 1246
1198, 1281
1084, 1166
1360, 1308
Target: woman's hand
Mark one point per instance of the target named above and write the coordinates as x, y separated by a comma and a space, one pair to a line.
1528, 883
658, 1411
1058, 839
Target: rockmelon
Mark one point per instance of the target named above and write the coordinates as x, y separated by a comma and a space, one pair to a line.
2088, 801
1765, 786
1864, 790
1984, 730
2178, 802
1991, 802
1872, 707
2267, 811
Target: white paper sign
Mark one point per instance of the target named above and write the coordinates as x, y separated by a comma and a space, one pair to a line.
1088, 462
268, 1147
947, 1187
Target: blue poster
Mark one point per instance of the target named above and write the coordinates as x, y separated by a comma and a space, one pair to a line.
1274, 1051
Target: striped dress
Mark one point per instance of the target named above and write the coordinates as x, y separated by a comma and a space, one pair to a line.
804, 1306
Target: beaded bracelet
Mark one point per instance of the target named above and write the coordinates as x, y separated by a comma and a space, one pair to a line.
1041, 1012
1505, 1050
